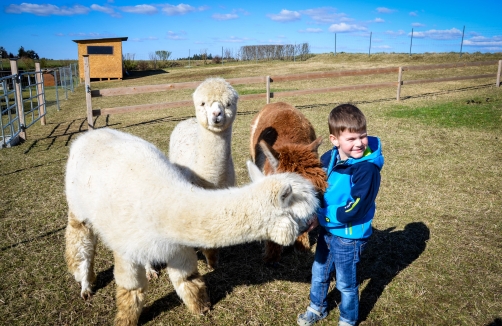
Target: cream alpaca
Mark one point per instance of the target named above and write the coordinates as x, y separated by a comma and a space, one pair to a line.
124, 190
201, 146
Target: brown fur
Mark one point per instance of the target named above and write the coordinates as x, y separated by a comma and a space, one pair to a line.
196, 297
129, 305
79, 236
284, 132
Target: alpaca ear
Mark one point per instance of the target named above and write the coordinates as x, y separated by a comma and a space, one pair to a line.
285, 195
271, 154
314, 146
254, 173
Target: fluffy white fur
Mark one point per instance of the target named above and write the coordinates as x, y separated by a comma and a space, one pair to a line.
124, 190
201, 146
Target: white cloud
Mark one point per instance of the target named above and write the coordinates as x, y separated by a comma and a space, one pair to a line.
176, 36
181, 9
106, 10
447, 34
346, 28
285, 16
140, 9
224, 16
481, 41
311, 30
398, 33
378, 20
417, 25
324, 15
46, 9
381, 47
233, 39
141, 39
414, 13
384, 10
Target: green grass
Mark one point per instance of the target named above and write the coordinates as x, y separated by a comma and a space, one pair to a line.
434, 257
477, 113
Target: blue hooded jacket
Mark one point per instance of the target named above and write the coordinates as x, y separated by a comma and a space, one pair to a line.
348, 205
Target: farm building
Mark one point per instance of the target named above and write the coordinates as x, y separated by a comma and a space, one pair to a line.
105, 57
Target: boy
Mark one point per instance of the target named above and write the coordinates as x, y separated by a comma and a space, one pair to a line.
353, 168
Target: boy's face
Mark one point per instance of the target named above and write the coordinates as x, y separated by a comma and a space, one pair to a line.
350, 144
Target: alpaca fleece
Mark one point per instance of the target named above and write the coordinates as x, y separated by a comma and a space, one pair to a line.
123, 190
283, 140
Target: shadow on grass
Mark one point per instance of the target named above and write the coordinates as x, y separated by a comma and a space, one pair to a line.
140, 74
495, 322
386, 254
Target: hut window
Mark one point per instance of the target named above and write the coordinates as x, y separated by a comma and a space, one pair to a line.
92, 49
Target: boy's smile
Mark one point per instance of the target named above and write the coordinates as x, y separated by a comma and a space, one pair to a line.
350, 144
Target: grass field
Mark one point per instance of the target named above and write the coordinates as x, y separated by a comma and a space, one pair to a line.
434, 257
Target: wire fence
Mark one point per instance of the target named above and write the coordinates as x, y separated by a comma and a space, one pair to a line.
25, 98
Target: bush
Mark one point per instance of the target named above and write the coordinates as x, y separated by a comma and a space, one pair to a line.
216, 59
142, 65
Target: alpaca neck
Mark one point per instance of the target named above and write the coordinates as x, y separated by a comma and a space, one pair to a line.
215, 145
214, 162
218, 218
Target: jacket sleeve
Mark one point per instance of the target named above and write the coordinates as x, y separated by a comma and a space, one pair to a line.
366, 182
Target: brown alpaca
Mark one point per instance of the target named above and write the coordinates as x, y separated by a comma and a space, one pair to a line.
283, 140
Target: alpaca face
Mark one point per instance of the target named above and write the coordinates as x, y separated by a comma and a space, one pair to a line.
215, 103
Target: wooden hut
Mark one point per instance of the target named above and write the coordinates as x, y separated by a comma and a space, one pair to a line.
105, 57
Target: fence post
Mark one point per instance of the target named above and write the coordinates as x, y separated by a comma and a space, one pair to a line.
399, 83
40, 92
498, 73
268, 88
19, 99
88, 97
56, 86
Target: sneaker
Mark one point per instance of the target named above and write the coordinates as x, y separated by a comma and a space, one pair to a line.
310, 317
343, 323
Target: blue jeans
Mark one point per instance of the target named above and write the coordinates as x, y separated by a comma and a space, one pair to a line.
338, 254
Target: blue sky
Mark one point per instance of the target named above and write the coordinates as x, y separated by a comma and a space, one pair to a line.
49, 26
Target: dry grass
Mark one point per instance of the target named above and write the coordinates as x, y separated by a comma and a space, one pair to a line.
434, 258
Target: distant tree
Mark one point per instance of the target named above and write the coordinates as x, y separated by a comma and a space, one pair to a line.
3, 53
22, 53
163, 55
153, 59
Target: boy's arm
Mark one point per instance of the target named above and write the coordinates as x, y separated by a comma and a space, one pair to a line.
366, 179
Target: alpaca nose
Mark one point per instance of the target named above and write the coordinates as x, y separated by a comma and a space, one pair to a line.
217, 112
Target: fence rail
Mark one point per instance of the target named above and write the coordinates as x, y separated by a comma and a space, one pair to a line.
24, 99
279, 78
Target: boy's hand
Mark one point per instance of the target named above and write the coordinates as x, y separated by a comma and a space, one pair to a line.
313, 223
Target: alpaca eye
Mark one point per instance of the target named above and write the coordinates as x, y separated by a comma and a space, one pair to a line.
228, 105
203, 103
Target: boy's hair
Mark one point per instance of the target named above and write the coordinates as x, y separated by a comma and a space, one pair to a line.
346, 117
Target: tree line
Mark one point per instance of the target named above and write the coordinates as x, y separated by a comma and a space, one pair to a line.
21, 53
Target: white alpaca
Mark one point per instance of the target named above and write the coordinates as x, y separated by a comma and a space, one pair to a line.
201, 146
124, 190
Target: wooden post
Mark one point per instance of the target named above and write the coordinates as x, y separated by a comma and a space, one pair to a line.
399, 83
19, 99
40, 92
87, 74
268, 88
498, 73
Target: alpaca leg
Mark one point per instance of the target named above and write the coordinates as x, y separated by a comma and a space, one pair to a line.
187, 281
211, 257
131, 287
79, 254
302, 243
272, 252
151, 272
